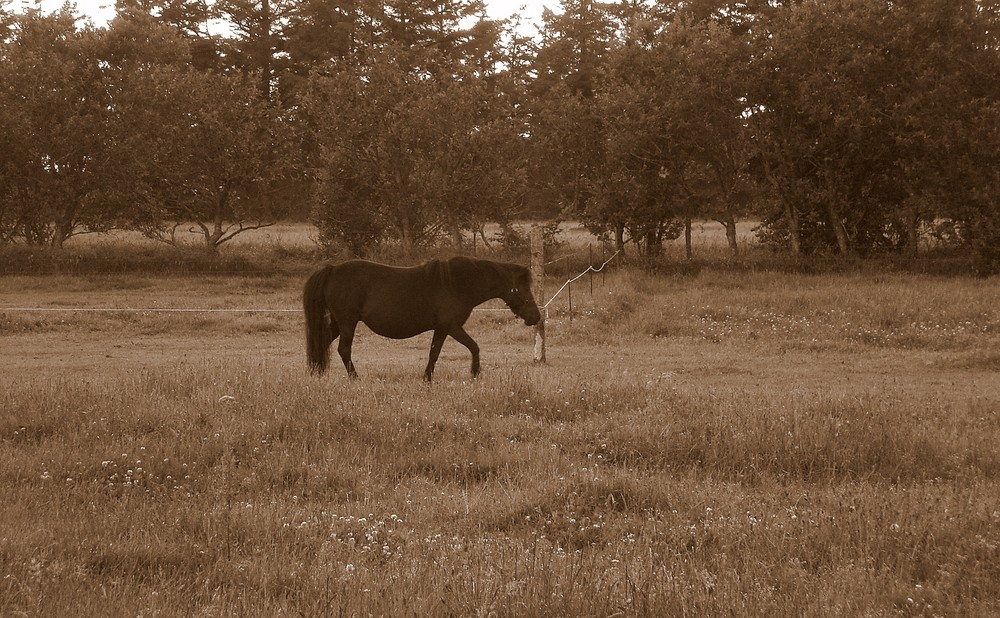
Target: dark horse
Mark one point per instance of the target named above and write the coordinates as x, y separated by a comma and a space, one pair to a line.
399, 303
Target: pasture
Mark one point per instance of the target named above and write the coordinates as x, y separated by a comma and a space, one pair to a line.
720, 442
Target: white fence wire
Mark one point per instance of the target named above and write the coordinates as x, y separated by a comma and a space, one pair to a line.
589, 269
568, 282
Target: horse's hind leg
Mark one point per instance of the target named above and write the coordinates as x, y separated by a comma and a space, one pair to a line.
330, 333
459, 335
344, 347
436, 342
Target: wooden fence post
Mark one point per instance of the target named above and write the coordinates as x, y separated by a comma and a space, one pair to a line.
538, 276
590, 258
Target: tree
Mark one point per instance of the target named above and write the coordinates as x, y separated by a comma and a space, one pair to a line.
214, 153
699, 53
945, 121
701, 77
187, 18
631, 184
404, 154
866, 115
321, 34
413, 130
665, 135
257, 41
565, 127
575, 46
60, 170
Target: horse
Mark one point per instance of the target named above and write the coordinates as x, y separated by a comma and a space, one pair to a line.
402, 302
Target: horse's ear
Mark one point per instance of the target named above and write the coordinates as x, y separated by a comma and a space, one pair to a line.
518, 274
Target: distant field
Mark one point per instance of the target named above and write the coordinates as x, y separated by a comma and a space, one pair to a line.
707, 234
709, 443
288, 235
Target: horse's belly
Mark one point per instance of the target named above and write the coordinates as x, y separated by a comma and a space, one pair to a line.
397, 327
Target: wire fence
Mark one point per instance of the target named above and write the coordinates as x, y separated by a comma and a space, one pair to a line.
567, 285
144, 310
569, 282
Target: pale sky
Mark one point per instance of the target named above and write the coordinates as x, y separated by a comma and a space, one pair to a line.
532, 9
100, 11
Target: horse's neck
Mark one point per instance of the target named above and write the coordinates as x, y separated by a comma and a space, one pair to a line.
483, 289
483, 283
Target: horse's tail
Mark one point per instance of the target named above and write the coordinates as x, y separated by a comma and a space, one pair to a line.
314, 306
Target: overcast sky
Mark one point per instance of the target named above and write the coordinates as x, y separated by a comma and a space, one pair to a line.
100, 11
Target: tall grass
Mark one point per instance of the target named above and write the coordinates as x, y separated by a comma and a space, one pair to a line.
204, 488
701, 443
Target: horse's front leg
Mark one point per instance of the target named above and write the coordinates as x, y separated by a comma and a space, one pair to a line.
436, 343
459, 335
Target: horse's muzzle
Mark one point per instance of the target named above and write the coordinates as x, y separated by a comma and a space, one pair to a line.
531, 315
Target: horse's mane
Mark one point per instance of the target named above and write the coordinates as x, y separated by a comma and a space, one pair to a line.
441, 271
462, 272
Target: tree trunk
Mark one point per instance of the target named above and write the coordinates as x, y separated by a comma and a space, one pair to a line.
843, 243
688, 249
791, 213
620, 237
212, 238
406, 235
58, 240
653, 246
730, 225
910, 218
63, 229
482, 236
266, 49
911, 221
456, 236
794, 236
213, 235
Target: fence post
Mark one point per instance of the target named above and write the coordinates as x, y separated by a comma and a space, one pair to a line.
569, 289
538, 276
590, 258
604, 260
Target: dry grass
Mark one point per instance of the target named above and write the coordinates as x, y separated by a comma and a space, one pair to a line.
701, 444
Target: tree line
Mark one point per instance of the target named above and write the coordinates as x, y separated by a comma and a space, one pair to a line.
845, 127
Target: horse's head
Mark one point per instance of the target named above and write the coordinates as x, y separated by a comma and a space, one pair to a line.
517, 295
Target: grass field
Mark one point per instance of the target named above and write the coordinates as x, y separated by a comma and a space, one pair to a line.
713, 443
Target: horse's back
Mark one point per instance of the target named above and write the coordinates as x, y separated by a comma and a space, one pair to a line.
393, 301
